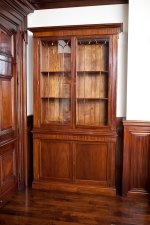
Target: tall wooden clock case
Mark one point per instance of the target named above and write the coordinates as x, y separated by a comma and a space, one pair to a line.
75, 71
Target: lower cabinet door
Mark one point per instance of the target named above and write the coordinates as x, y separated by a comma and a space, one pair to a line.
55, 159
94, 164
79, 166
8, 172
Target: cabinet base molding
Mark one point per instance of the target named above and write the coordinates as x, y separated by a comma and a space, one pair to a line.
74, 188
138, 194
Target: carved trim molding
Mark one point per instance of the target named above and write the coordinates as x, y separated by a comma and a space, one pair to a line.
12, 13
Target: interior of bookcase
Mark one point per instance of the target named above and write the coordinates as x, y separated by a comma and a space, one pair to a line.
92, 82
55, 81
92, 77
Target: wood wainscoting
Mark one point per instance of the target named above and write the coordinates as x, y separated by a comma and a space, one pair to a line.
30, 149
136, 159
119, 155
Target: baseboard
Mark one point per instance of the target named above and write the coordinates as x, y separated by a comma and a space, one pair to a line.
61, 187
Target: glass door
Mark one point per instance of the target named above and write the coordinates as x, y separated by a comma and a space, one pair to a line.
92, 77
55, 82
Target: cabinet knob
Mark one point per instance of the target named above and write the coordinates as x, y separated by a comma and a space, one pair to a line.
1, 201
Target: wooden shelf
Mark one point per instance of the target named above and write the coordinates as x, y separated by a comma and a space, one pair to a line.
55, 97
65, 71
92, 99
93, 71
57, 122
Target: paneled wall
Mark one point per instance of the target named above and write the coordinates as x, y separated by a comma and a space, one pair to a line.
136, 159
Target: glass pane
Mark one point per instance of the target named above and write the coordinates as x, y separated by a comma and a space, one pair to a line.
92, 82
55, 82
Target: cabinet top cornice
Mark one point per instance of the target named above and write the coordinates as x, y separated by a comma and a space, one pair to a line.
114, 28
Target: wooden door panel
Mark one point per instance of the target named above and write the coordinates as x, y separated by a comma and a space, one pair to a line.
13, 40
56, 160
92, 163
6, 105
7, 167
139, 160
8, 120
136, 161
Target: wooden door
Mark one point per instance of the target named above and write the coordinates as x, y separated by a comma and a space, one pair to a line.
94, 164
13, 113
92, 83
55, 160
54, 107
8, 119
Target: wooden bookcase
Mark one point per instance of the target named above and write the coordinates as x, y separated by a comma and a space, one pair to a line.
75, 107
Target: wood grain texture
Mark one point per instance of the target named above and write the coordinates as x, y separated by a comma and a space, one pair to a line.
92, 82
56, 160
54, 56
13, 126
8, 171
92, 57
73, 188
60, 208
8, 121
136, 158
92, 164
6, 104
88, 167
78, 30
6, 196
47, 4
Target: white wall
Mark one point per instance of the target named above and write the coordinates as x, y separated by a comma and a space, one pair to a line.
138, 88
86, 15
29, 75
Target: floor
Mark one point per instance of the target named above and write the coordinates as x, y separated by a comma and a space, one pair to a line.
39, 207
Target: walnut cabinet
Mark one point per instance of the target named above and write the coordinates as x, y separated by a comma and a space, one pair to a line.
75, 71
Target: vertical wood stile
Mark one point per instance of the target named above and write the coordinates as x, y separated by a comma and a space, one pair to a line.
84, 79
100, 84
48, 94
63, 47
